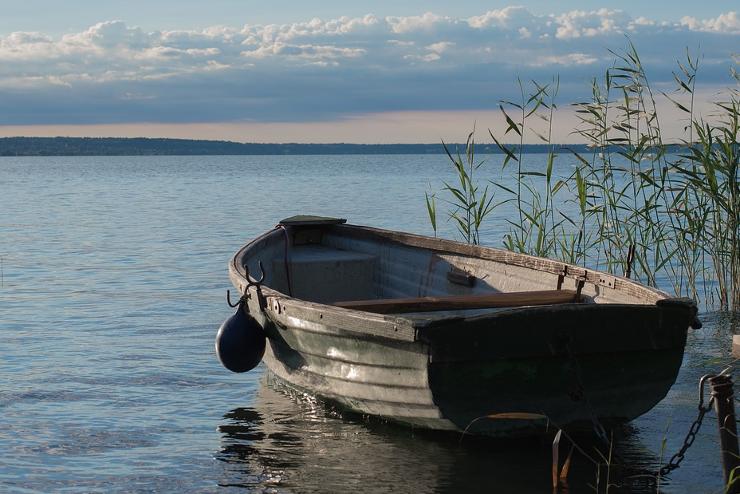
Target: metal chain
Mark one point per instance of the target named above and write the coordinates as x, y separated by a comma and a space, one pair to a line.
676, 459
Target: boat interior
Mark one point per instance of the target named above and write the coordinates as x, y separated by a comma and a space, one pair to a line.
359, 268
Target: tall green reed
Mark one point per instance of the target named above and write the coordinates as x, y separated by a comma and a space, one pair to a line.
630, 206
711, 172
538, 227
468, 202
625, 174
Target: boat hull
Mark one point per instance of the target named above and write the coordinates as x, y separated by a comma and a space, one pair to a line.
569, 365
575, 369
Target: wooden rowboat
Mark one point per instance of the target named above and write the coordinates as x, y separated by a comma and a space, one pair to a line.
438, 334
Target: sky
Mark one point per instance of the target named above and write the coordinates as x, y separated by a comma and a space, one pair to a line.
292, 71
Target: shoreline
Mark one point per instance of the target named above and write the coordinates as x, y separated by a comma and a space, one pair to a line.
140, 146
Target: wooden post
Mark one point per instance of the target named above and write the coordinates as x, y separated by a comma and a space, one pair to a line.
724, 405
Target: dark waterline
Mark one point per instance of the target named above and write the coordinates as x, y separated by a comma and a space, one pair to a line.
113, 283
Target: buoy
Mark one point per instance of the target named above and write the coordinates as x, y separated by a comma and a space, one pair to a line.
240, 342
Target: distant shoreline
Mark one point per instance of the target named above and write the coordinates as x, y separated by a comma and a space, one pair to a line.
118, 146
142, 146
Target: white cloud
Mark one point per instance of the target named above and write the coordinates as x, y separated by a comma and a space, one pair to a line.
643, 21
306, 51
440, 47
409, 24
728, 23
568, 59
111, 47
347, 65
509, 17
594, 23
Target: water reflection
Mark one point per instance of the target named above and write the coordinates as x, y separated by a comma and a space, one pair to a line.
289, 442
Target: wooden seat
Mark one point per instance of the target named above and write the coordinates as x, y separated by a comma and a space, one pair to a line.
452, 302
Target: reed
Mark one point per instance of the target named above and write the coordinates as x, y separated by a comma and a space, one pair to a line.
468, 202
629, 207
536, 231
710, 171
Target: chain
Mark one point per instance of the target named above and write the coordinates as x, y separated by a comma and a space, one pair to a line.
676, 459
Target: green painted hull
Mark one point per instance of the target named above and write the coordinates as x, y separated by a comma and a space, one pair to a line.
456, 375
606, 361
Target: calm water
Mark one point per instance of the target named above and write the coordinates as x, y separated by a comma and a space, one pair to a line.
112, 287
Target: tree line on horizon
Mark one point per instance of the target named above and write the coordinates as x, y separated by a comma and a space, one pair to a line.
140, 146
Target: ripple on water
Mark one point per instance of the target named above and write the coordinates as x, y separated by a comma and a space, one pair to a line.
114, 275
79, 440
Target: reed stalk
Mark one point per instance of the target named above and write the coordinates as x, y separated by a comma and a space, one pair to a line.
468, 202
661, 217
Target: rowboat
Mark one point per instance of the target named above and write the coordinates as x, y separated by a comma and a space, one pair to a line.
443, 335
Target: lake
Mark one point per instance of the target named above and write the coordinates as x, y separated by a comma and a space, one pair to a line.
113, 274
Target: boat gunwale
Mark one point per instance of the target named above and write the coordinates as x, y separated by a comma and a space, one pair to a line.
407, 329
503, 256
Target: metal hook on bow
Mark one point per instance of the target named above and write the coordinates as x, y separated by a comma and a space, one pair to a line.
251, 282
257, 284
228, 300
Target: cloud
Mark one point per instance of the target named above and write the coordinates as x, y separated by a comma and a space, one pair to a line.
328, 69
513, 17
724, 23
426, 22
566, 60
596, 23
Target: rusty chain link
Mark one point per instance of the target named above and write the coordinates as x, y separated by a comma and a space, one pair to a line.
676, 459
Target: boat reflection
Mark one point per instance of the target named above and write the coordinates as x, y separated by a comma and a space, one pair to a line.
290, 442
